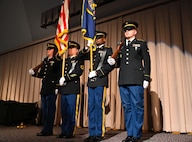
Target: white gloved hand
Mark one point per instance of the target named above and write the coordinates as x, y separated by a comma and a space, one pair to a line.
61, 81
111, 61
56, 91
145, 84
89, 43
92, 74
31, 71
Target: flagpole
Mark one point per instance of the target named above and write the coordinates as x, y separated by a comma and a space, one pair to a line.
63, 65
91, 58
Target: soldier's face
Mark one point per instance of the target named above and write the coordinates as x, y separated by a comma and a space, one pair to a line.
72, 51
100, 41
50, 52
130, 33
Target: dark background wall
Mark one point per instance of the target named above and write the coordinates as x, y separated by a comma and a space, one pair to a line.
20, 20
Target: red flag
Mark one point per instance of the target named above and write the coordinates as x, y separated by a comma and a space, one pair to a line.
61, 39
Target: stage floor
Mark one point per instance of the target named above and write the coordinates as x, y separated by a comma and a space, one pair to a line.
28, 134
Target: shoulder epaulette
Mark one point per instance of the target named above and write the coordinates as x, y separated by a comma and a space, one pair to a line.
141, 40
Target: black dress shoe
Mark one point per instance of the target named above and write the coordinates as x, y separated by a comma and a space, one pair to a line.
128, 139
133, 139
90, 139
98, 138
69, 136
44, 134
61, 136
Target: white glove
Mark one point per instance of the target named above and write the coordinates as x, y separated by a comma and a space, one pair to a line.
56, 91
89, 43
31, 71
61, 81
111, 61
92, 74
145, 84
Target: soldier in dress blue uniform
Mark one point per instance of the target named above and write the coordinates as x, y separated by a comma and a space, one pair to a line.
50, 74
70, 90
134, 75
97, 84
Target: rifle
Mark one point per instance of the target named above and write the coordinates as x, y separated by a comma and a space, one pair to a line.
37, 67
119, 45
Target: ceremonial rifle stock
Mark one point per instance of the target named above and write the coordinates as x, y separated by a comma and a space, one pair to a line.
37, 67
119, 45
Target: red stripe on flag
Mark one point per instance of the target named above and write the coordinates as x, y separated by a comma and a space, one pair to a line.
61, 39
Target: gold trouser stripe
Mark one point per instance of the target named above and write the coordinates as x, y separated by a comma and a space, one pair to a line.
76, 112
103, 111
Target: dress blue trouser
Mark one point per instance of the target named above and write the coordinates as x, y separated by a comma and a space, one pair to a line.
96, 110
68, 113
132, 98
48, 111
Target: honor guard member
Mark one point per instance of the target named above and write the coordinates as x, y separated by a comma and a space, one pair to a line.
97, 84
134, 75
50, 74
70, 90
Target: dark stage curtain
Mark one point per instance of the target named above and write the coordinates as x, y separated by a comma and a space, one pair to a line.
13, 113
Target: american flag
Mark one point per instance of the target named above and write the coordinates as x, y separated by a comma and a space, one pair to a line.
61, 39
